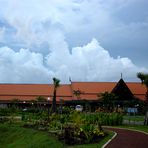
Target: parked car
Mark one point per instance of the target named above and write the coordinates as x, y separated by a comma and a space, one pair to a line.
79, 108
24, 109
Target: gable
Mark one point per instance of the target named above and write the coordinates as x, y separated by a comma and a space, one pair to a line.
122, 91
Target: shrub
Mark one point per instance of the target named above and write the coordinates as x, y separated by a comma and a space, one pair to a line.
103, 118
86, 133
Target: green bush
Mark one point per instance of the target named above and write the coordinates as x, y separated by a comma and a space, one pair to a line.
103, 118
8, 111
66, 110
82, 134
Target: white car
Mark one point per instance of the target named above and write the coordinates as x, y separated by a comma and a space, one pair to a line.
79, 108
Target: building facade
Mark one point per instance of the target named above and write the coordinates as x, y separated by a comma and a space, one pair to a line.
70, 94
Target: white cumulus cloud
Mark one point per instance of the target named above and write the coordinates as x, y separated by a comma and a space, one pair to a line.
70, 38
90, 62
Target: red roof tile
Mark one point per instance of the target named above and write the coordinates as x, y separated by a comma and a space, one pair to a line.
93, 87
89, 90
25, 89
31, 91
137, 89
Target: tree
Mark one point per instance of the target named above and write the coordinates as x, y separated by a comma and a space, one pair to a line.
144, 80
40, 100
77, 93
108, 100
15, 102
56, 83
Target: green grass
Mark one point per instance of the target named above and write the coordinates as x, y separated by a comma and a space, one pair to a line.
133, 118
143, 128
95, 145
14, 136
17, 137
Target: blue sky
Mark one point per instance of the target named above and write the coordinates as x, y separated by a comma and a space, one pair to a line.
87, 40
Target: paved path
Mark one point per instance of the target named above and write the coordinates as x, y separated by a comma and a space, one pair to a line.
128, 139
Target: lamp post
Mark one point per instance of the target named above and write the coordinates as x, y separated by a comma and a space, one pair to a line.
23, 110
24, 105
48, 99
61, 101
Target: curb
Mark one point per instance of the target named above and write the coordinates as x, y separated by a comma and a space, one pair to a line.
115, 134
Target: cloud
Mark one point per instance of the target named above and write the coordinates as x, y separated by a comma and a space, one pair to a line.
69, 38
43, 20
2, 31
90, 62
21, 67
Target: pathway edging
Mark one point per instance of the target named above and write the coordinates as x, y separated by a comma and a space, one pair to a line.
115, 134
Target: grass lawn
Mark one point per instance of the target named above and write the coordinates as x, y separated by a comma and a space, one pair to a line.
13, 136
133, 118
17, 137
143, 128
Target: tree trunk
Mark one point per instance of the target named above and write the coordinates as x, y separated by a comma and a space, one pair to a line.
146, 114
54, 102
146, 118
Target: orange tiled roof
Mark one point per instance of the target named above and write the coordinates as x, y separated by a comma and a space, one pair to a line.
93, 87
25, 89
89, 90
137, 89
31, 91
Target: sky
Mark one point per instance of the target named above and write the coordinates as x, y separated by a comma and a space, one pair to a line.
81, 40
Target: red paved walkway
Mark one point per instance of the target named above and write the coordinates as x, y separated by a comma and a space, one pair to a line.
128, 139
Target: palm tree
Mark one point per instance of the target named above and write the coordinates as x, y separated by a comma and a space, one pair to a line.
108, 100
144, 80
56, 83
77, 93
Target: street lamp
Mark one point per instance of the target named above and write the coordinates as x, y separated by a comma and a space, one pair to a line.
61, 101
24, 105
23, 111
48, 99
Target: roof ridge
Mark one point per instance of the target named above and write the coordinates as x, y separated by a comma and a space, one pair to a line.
63, 84
91, 82
134, 82
30, 84
23, 84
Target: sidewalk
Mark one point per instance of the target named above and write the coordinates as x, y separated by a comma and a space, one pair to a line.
128, 139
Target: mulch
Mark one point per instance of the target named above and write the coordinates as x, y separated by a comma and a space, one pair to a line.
128, 139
